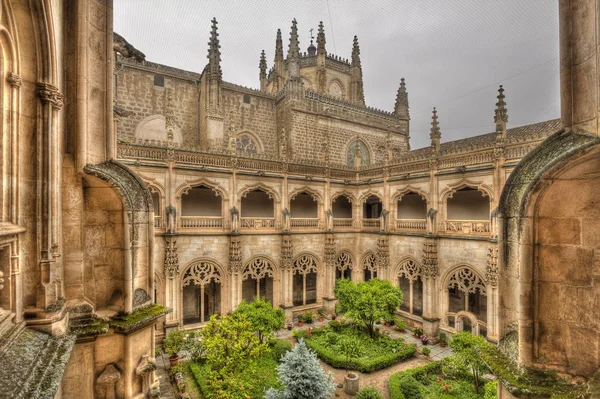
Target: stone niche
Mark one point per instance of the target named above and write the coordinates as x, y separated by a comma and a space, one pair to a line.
566, 269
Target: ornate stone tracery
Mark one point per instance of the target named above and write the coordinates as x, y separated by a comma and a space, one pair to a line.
370, 262
410, 270
258, 268
201, 273
466, 280
343, 261
491, 269
305, 264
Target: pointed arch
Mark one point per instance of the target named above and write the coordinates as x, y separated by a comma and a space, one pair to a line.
449, 191
344, 259
366, 152
370, 193
258, 267
184, 188
305, 189
345, 193
465, 278
202, 272
369, 261
407, 267
401, 192
247, 142
270, 191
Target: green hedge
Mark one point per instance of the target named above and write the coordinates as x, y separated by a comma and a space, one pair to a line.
337, 360
396, 380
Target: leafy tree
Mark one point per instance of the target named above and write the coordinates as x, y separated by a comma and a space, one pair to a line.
174, 342
263, 317
367, 302
230, 344
302, 376
465, 348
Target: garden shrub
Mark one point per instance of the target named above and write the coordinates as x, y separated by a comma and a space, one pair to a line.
280, 347
418, 374
369, 393
410, 388
491, 390
335, 325
426, 351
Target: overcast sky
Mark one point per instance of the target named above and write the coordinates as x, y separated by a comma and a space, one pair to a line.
452, 53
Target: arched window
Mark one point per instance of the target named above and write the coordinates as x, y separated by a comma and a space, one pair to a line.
411, 212
469, 204
305, 280
257, 280
257, 204
335, 90
200, 201
369, 265
467, 294
304, 206
372, 207
342, 207
357, 150
201, 292
411, 284
343, 266
244, 144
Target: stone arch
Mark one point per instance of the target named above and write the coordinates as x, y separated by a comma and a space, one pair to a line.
351, 197
407, 274
200, 275
184, 188
369, 261
154, 128
261, 270
340, 85
410, 189
344, 264
271, 192
306, 272
370, 193
465, 278
366, 152
137, 228
407, 267
312, 192
202, 271
545, 253
449, 192
243, 147
259, 266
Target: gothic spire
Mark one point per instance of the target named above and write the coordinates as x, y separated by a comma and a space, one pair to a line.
501, 113
321, 39
357, 94
262, 66
401, 106
435, 134
278, 47
294, 48
214, 53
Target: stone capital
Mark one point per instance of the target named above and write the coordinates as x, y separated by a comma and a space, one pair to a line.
14, 80
49, 94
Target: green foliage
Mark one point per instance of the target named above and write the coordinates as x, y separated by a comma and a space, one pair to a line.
249, 383
193, 345
491, 390
321, 312
335, 325
126, 322
400, 382
302, 376
231, 344
280, 347
375, 353
465, 347
262, 316
426, 351
368, 301
369, 393
417, 331
410, 388
309, 316
443, 338
174, 342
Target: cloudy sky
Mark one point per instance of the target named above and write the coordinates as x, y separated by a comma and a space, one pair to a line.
452, 53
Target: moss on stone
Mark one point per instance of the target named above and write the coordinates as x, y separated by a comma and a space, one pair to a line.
88, 326
529, 382
127, 322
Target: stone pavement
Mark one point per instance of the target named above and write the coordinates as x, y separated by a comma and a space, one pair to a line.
162, 372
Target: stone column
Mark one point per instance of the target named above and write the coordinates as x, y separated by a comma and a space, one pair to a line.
328, 297
579, 43
235, 269
431, 319
171, 273
491, 277
383, 256
287, 251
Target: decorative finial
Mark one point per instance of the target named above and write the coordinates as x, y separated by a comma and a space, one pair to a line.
321, 39
294, 49
435, 134
278, 46
214, 53
501, 113
355, 53
262, 65
401, 106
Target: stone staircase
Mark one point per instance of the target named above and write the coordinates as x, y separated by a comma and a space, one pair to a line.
32, 362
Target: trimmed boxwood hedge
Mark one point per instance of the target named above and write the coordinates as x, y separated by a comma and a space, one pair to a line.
337, 360
415, 374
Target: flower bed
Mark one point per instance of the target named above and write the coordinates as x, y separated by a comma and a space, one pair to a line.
429, 381
375, 353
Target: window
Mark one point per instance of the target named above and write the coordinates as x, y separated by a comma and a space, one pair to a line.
342, 208
467, 293
257, 204
411, 284
412, 206
303, 206
200, 201
369, 266
247, 98
343, 266
201, 292
358, 152
372, 207
257, 280
468, 204
245, 145
305, 280
159, 80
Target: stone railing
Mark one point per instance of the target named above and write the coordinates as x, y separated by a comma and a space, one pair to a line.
304, 223
467, 227
343, 222
370, 224
258, 223
411, 224
201, 222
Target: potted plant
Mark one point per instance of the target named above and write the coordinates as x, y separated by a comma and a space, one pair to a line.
174, 342
321, 313
400, 325
308, 316
424, 339
426, 351
333, 316
301, 320
443, 340
389, 321
289, 326
417, 332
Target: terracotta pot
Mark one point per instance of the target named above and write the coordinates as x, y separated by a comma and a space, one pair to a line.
320, 319
387, 324
443, 344
174, 361
300, 323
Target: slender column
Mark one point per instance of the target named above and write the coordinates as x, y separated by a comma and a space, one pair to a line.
201, 303
171, 272
491, 277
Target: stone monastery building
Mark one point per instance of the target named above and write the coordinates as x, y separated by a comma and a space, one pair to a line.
127, 185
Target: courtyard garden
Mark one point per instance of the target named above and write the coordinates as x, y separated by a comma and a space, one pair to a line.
239, 356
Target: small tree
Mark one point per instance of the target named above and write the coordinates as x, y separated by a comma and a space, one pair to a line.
369, 301
230, 344
302, 376
465, 348
263, 317
174, 342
